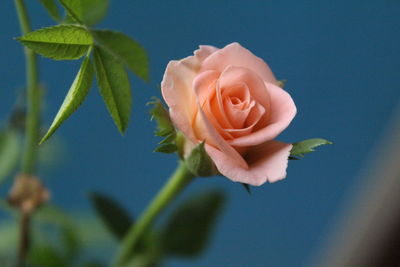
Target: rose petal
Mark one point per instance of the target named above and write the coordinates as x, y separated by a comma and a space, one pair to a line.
236, 55
205, 131
177, 90
233, 76
282, 113
267, 162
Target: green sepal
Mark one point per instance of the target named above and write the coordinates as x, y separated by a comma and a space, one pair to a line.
307, 146
199, 162
166, 148
247, 188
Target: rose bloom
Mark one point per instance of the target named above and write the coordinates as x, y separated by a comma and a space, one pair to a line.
230, 99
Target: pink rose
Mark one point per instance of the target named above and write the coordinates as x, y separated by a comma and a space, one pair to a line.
230, 99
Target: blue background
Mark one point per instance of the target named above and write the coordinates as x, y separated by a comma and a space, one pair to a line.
341, 60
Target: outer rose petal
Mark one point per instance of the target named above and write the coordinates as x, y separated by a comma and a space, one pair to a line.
177, 90
267, 162
236, 55
282, 111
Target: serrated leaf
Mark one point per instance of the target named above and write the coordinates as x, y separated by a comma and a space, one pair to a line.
161, 115
189, 228
76, 95
126, 50
166, 148
62, 42
114, 86
10, 147
74, 9
116, 219
52, 9
307, 146
199, 162
87, 12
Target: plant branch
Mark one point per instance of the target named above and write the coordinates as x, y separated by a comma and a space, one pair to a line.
29, 155
179, 179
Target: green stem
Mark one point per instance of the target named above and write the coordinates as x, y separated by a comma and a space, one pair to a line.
179, 179
29, 155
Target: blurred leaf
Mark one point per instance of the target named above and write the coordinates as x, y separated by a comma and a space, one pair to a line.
52, 9
190, 226
87, 12
282, 83
126, 50
94, 11
59, 42
10, 146
76, 95
46, 256
71, 242
166, 148
115, 218
52, 153
92, 264
114, 87
307, 146
199, 162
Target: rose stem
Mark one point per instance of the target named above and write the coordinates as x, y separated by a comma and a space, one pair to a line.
176, 183
29, 155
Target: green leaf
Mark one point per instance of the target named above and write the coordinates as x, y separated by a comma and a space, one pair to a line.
199, 162
189, 228
166, 148
114, 87
126, 50
52, 9
10, 146
76, 95
87, 12
307, 146
94, 11
115, 218
59, 42
46, 256
92, 264
70, 241
74, 9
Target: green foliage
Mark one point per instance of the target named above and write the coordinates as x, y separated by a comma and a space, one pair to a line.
62, 42
199, 162
165, 128
76, 95
114, 86
189, 228
307, 146
44, 256
9, 152
125, 50
87, 12
113, 215
52, 9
